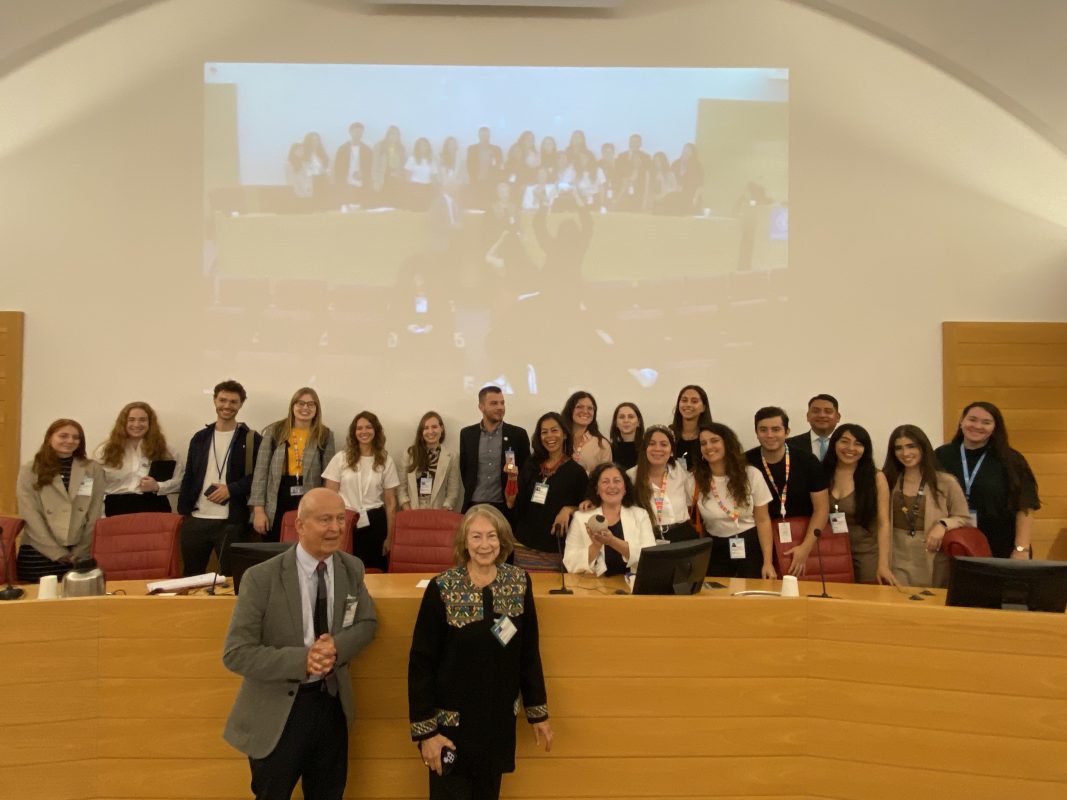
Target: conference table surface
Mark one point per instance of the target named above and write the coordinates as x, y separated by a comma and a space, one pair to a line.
870, 695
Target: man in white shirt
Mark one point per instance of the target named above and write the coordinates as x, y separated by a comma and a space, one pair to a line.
215, 487
823, 417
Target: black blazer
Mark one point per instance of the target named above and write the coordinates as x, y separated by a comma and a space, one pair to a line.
802, 441
343, 160
513, 436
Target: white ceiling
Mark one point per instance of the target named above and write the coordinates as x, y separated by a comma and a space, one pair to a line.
1009, 50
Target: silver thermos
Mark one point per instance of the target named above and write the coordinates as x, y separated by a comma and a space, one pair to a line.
86, 579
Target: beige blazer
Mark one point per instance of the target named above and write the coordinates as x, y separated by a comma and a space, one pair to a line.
60, 520
447, 491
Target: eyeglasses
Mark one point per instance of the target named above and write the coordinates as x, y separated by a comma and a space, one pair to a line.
305, 404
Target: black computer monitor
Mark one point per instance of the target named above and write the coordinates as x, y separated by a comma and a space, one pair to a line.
1008, 583
242, 555
674, 568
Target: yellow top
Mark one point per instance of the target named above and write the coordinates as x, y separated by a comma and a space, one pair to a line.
298, 440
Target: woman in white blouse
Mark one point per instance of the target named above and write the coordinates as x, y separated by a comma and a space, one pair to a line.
366, 478
139, 468
662, 485
732, 498
421, 171
608, 539
430, 478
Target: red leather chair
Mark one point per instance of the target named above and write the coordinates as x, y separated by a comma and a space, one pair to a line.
288, 533
423, 540
138, 546
966, 542
835, 548
12, 527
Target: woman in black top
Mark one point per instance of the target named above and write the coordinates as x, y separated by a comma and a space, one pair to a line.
474, 654
690, 412
551, 485
998, 483
627, 431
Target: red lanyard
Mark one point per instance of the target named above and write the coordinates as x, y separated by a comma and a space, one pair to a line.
784, 494
548, 473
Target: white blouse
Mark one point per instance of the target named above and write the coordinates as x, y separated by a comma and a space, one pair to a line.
718, 522
363, 488
126, 478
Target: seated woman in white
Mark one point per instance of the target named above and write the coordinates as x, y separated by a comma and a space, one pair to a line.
608, 539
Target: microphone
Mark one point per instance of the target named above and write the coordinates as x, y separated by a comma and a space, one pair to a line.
11, 592
562, 570
822, 573
222, 549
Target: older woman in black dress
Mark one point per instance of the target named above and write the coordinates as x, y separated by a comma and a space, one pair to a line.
474, 653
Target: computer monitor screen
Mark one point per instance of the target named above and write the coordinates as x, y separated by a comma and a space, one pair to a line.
243, 555
1008, 584
674, 568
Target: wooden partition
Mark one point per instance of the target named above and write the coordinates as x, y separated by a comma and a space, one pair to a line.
11, 324
871, 697
1022, 368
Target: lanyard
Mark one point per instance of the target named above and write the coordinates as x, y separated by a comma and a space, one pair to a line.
968, 476
659, 494
784, 494
734, 514
215, 453
911, 515
547, 473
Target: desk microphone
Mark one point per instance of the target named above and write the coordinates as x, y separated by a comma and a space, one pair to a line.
822, 573
562, 570
11, 592
218, 569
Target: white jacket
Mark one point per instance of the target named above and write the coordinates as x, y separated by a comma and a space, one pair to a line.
636, 530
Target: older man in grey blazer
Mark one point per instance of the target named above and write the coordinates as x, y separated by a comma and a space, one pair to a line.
300, 618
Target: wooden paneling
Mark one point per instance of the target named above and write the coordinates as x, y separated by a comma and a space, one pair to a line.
1022, 368
11, 327
702, 697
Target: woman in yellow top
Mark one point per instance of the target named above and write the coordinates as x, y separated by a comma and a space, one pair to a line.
289, 463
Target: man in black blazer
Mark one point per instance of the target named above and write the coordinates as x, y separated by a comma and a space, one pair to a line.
352, 176
823, 417
483, 452
485, 162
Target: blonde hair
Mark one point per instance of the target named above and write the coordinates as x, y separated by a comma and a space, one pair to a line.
283, 428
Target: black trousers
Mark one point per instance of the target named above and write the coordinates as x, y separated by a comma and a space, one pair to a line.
117, 504
722, 566
287, 501
202, 536
461, 785
313, 749
367, 542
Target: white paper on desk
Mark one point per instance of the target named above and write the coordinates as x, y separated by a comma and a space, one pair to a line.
423, 583
192, 582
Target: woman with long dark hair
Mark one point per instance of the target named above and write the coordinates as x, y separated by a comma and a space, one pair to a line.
590, 448
60, 497
925, 502
690, 412
732, 499
430, 477
627, 431
998, 484
859, 499
366, 477
661, 485
551, 485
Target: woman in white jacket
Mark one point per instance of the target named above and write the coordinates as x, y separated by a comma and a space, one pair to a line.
608, 539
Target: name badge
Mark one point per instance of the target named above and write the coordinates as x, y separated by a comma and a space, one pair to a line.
504, 630
425, 486
785, 533
540, 493
351, 604
737, 547
837, 522
972, 512
85, 488
297, 490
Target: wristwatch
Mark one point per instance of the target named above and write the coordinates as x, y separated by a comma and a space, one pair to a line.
1020, 549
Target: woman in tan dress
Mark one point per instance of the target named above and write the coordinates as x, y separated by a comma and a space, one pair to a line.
859, 499
924, 504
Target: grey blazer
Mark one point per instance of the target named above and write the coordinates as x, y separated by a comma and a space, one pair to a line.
447, 491
268, 476
265, 646
57, 517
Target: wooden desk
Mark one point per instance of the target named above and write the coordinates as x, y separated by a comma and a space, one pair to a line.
871, 696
